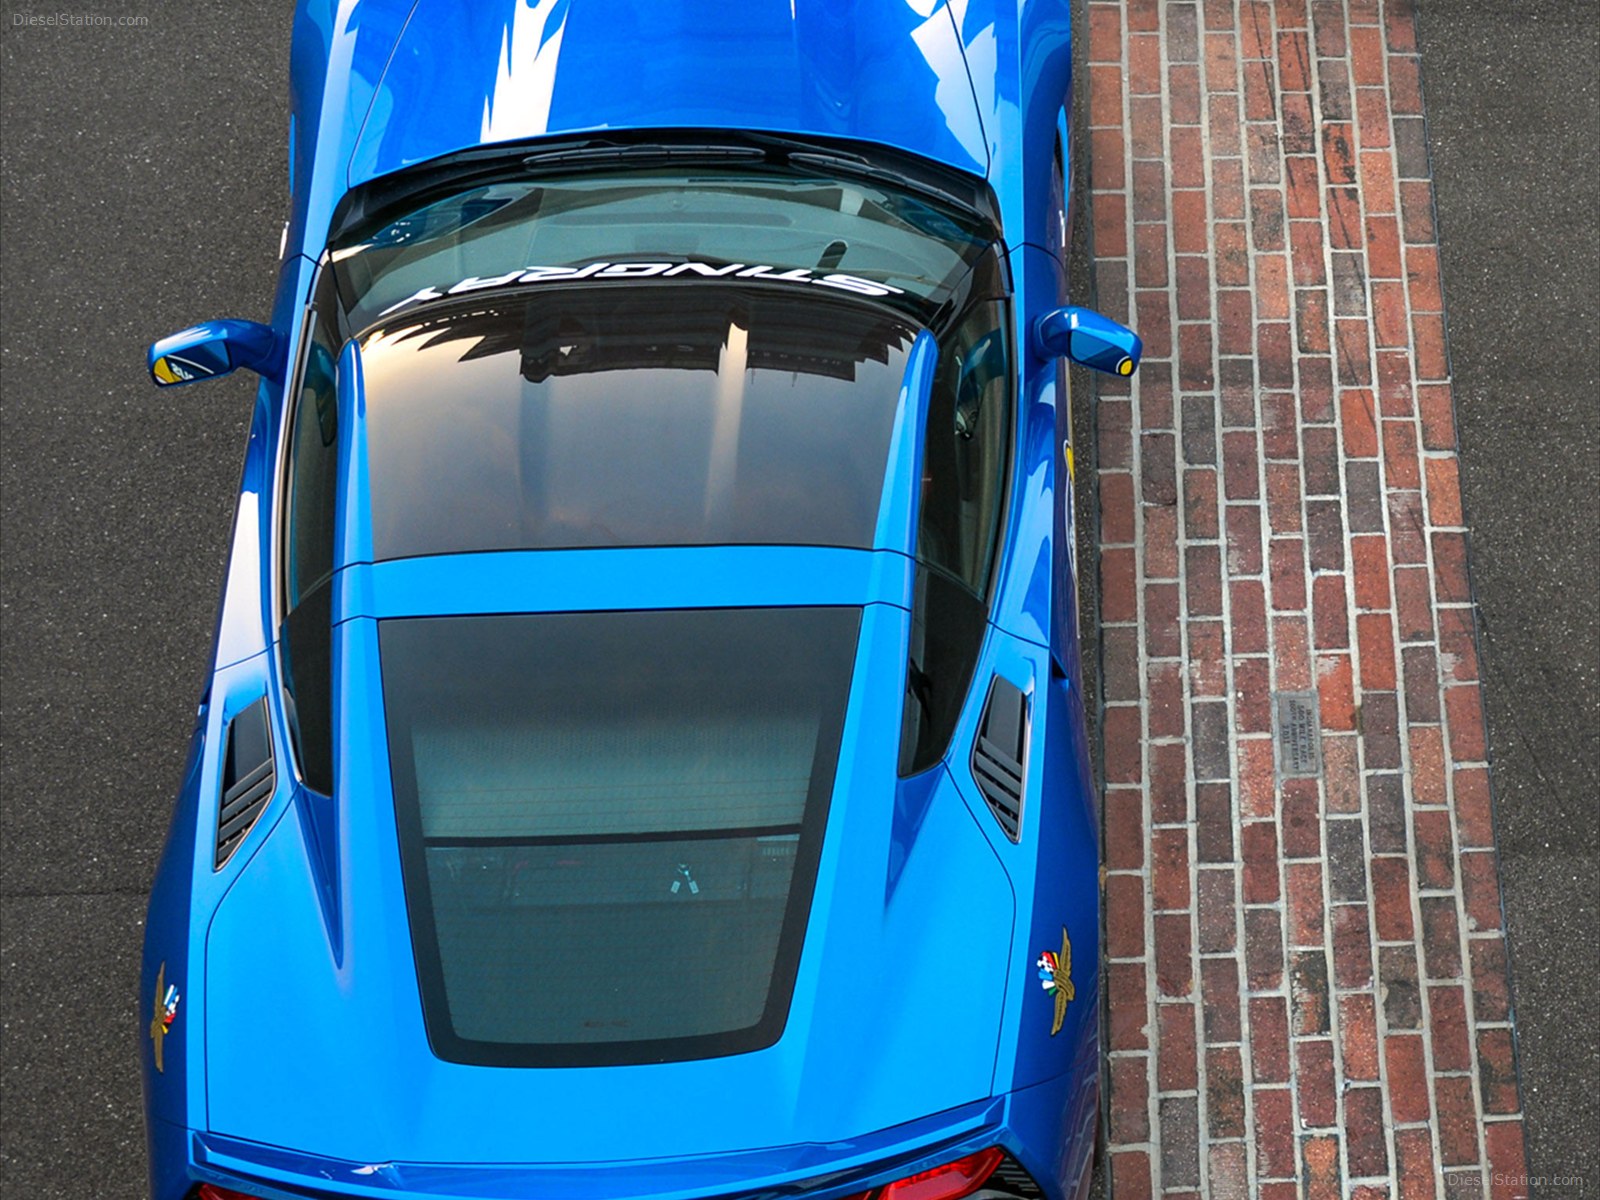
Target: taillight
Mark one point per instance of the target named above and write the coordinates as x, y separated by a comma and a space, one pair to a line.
951, 1181
210, 1191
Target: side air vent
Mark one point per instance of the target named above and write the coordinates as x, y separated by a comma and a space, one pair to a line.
1009, 1179
248, 777
999, 752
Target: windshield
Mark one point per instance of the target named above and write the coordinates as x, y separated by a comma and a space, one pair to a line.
610, 823
783, 224
663, 414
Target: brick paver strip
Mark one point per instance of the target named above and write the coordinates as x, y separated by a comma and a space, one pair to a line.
1306, 976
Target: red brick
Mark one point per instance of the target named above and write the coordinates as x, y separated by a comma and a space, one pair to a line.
1203, 591
1375, 639
1169, 877
1266, 219
1217, 908
1407, 1068
1224, 1092
1269, 1039
1383, 248
1366, 56
1283, 497
1497, 1071
1394, 383
1263, 949
1458, 652
1480, 890
1474, 822
1369, 559
1124, 916
1291, 658
1189, 231
1300, 826
1208, 668
1391, 328
1248, 618
1105, 33
1427, 329
1176, 1068
1358, 1035
1183, 94
1416, 208
1391, 898
1227, 184
1150, 256
1122, 741
1365, 1141
1258, 850
1274, 1132
1223, 124
1308, 992
1169, 772
1311, 321
1441, 937
1105, 97
1413, 1152
1193, 287
1508, 1160
1414, 594
1235, 326
1149, 192
1303, 883
1288, 573
1110, 224
1304, 187
1320, 1173
1227, 1169
1108, 156
1252, 707
1435, 849
1338, 152
1316, 1083
1447, 1021
1162, 633
1118, 600
1165, 710
1457, 1120
1188, 161
1360, 433
1130, 1099
1130, 1174
1405, 86
1491, 989
1464, 714
1372, 117
1125, 984
1400, 27
1377, 181
1219, 994
1144, 64
1444, 492
1427, 765
1116, 509
1422, 278
1342, 772
1174, 955
1331, 618
1124, 829
1400, 455
1231, 252
1352, 946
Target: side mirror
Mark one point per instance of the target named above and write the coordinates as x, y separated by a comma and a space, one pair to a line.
216, 348
1086, 337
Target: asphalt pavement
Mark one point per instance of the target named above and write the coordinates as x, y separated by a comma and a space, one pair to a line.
1512, 96
143, 179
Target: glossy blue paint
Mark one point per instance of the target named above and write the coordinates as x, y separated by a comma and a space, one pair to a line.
215, 348
510, 70
918, 1030
1088, 338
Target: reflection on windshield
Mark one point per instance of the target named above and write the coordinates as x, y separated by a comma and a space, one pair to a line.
606, 416
777, 220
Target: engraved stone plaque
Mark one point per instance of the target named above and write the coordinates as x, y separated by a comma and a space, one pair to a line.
1297, 733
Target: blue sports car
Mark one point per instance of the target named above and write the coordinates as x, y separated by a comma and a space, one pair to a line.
644, 754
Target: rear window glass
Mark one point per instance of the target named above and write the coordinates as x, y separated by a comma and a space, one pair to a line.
668, 413
610, 824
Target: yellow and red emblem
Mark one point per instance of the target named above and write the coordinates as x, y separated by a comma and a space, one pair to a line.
166, 1012
1055, 976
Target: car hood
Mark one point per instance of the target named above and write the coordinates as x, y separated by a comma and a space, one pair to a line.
463, 76
314, 1032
